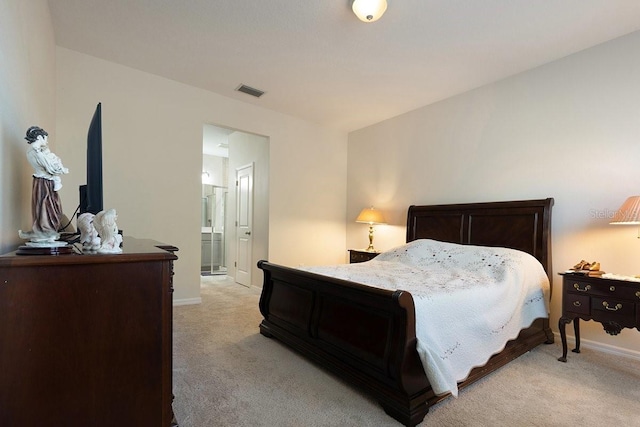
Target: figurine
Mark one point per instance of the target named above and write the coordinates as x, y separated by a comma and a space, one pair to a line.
88, 234
46, 208
105, 224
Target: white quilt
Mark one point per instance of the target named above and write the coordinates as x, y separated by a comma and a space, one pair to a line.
469, 300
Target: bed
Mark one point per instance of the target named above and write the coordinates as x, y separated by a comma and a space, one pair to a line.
367, 335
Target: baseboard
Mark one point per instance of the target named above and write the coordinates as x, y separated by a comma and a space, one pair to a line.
187, 301
598, 346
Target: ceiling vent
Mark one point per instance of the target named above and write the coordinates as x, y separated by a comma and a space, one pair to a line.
250, 91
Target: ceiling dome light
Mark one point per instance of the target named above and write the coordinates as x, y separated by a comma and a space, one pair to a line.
369, 10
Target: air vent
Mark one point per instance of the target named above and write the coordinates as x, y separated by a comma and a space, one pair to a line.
250, 91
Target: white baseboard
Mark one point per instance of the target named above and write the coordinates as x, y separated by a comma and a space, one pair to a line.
187, 301
598, 346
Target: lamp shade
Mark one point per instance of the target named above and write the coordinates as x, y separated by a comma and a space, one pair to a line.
369, 10
371, 216
629, 212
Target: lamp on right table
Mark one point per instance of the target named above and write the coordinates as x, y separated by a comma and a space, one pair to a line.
372, 217
629, 213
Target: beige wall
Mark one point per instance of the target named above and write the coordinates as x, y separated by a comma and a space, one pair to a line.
568, 130
27, 98
152, 153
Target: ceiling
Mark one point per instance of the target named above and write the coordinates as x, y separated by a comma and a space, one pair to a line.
315, 60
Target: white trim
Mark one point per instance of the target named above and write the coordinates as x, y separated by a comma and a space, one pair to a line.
187, 301
598, 346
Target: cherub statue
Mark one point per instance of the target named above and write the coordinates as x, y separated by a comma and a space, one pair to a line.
46, 208
88, 234
105, 224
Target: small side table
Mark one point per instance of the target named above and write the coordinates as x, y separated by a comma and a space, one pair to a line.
357, 255
613, 303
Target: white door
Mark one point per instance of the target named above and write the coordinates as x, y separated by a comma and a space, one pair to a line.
244, 222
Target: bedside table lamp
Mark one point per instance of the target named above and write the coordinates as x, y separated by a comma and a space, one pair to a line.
370, 216
629, 213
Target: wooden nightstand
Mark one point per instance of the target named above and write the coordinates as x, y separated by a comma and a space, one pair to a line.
613, 303
356, 255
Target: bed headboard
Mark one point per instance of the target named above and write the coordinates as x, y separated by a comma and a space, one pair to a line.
524, 225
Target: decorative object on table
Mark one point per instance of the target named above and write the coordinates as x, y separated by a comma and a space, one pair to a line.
629, 213
369, 10
46, 207
586, 268
372, 217
88, 234
105, 224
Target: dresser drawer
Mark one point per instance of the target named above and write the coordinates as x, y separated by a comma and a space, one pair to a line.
579, 304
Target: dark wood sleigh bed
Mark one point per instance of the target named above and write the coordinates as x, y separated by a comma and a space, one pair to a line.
367, 335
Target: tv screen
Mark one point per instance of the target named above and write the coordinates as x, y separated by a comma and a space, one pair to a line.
91, 193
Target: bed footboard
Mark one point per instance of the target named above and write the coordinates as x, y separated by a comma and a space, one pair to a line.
363, 334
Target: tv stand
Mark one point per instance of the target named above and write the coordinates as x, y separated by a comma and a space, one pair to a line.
87, 339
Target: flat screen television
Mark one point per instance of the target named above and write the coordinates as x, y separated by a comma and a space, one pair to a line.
91, 193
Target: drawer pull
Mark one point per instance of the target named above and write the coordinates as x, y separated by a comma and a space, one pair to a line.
577, 303
638, 294
578, 288
616, 308
612, 288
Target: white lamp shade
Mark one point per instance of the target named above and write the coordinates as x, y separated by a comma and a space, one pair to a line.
371, 216
369, 10
629, 212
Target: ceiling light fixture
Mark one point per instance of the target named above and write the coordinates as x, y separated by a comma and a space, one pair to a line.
369, 10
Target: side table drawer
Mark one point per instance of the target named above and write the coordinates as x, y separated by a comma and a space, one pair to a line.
579, 304
361, 256
614, 307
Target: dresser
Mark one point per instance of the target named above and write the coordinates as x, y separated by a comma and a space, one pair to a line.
86, 340
613, 303
356, 255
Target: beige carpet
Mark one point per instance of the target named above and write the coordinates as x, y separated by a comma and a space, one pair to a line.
226, 374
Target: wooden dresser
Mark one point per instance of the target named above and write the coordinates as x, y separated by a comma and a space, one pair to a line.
86, 340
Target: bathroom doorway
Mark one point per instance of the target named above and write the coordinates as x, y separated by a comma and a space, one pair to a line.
224, 152
215, 184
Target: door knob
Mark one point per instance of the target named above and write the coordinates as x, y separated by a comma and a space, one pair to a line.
248, 233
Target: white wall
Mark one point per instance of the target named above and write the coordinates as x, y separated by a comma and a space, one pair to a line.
152, 154
27, 98
568, 130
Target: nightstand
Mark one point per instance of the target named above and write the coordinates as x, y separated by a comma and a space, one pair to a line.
356, 255
613, 303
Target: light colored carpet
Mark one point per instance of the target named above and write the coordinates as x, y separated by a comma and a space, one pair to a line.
226, 374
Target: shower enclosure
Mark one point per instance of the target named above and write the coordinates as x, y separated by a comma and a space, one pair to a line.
213, 207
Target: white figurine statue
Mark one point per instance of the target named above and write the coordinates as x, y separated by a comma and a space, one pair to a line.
105, 224
46, 208
88, 234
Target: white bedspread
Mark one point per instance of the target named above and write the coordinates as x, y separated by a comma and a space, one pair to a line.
469, 300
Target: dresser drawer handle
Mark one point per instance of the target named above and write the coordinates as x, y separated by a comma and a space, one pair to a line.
616, 308
638, 294
612, 288
578, 288
577, 303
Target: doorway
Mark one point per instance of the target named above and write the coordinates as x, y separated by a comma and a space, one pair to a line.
224, 152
